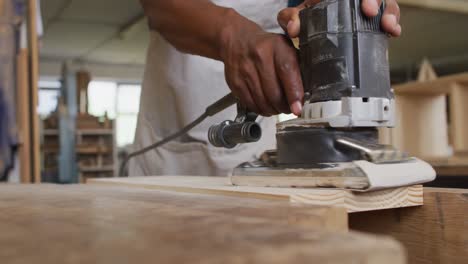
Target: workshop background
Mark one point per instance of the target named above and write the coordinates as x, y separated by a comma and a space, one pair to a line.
86, 77
70, 85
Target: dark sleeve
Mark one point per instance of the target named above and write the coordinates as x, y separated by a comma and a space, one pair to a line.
292, 3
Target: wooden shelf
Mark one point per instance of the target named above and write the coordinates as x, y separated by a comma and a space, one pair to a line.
95, 148
96, 169
438, 86
82, 132
95, 132
82, 150
431, 117
453, 166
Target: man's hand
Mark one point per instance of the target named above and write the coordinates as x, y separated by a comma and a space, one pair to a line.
261, 69
289, 18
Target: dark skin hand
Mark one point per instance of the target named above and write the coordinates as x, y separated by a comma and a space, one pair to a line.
261, 68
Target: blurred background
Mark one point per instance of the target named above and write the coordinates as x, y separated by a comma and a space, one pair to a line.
83, 64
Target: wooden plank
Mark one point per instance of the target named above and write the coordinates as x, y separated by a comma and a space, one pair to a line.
422, 128
426, 72
439, 86
453, 166
34, 89
426, 126
434, 233
82, 132
84, 149
23, 116
451, 170
89, 224
96, 168
459, 110
83, 78
386, 135
351, 201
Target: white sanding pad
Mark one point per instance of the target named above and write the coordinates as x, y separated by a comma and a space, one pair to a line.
361, 176
384, 176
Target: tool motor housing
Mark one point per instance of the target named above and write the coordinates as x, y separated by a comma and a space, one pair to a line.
344, 65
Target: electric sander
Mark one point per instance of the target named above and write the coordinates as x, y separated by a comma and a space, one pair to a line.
344, 65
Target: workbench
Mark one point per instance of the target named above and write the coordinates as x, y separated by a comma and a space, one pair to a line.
436, 232
94, 224
122, 224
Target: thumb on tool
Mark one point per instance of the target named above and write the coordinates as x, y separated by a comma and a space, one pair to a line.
288, 18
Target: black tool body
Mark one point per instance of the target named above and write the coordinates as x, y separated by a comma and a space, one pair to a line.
343, 53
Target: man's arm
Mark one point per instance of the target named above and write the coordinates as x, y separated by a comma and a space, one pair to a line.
261, 68
194, 26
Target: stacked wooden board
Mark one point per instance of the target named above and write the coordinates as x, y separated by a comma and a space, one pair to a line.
352, 201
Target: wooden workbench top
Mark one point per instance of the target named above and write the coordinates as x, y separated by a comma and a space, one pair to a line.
434, 233
96, 224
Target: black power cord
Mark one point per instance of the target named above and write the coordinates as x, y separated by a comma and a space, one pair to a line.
211, 110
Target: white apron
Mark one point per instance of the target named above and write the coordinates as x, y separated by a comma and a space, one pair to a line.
177, 88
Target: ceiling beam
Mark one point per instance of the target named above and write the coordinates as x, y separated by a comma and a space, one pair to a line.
457, 6
56, 16
133, 27
52, 67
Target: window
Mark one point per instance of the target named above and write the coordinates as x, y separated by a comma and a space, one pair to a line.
102, 98
128, 104
121, 102
49, 92
48, 100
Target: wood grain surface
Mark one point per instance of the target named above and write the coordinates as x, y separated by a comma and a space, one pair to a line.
351, 201
93, 224
33, 52
434, 233
23, 116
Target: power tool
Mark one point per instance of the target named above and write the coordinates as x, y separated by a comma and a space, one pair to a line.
343, 58
345, 71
